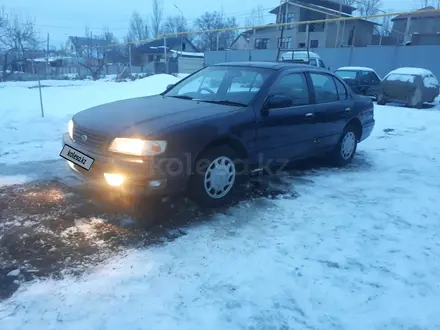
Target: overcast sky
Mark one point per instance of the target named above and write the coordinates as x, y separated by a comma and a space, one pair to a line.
62, 18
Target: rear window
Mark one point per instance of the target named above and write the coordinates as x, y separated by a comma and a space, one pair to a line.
401, 77
346, 74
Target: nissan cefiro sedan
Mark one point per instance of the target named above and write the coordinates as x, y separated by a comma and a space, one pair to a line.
208, 132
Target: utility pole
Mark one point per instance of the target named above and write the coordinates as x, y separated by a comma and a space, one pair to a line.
181, 25
47, 54
282, 15
129, 57
338, 24
165, 53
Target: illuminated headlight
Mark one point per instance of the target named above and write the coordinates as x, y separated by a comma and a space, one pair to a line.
70, 129
137, 147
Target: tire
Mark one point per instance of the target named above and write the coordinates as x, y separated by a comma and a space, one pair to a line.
230, 172
416, 100
381, 99
345, 150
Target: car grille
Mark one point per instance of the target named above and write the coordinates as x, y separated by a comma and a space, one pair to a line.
94, 141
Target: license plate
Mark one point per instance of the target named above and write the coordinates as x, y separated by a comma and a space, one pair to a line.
76, 157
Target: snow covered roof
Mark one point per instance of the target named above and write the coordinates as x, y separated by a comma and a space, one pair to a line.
411, 71
188, 54
356, 68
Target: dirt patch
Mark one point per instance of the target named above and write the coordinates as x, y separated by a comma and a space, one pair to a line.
50, 229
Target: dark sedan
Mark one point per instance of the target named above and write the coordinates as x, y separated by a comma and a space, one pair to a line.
215, 127
362, 80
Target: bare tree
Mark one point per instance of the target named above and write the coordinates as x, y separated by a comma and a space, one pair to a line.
156, 17
424, 3
386, 26
138, 28
349, 2
256, 17
91, 53
175, 24
207, 40
18, 38
368, 7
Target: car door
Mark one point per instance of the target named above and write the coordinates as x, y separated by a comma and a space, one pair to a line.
287, 132
333, 107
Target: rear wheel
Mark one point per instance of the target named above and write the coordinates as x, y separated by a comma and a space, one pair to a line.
416, 100
381, 99
218, 172
345, 150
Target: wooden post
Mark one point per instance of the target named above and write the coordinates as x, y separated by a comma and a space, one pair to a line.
129, 57
41, 97
165, 53
408, 25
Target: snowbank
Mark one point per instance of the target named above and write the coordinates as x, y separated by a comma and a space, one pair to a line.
26, 136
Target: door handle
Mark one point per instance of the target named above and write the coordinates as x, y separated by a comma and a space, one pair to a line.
310, 114
347, 109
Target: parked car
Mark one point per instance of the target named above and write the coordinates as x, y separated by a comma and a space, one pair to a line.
303, 57
362, 80
201, 138
411, 86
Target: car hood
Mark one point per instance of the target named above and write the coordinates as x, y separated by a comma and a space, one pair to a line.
145, 115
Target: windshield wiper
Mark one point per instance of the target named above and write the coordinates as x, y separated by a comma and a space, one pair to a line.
184, 97
223, 102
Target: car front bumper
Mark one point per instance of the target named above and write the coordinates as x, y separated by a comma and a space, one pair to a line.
141, 175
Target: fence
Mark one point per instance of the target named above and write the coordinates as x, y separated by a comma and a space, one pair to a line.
381, 58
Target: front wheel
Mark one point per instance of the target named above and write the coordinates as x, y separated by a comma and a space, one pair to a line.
217, 174
345, 150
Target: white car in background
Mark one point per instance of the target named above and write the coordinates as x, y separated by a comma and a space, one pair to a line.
411, 86
299, 56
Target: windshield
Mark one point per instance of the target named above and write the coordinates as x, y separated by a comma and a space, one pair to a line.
222, 84
346, 74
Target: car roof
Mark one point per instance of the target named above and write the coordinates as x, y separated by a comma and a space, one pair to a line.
268, 65
356, 68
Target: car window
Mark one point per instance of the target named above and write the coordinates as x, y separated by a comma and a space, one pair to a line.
313, 62
401, 77
342, 91
204, 83
249, 81
222, 83
294, 86
369, 77
346, 74
321, 64
325, 88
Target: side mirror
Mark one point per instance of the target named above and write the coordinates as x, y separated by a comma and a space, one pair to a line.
329, 68
277, 101
169, 87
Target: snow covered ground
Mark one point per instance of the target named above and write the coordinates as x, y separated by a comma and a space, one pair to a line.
26, 136
357, 249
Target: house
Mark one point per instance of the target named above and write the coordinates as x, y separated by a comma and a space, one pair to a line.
358, 32
423, 27
154, 51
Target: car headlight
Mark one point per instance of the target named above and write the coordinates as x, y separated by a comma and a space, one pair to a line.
70, 129
137, 147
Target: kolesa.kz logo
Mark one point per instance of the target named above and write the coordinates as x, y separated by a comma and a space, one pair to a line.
74, 156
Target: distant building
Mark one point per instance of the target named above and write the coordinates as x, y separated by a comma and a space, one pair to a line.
358, 32
424, 28
154, 51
